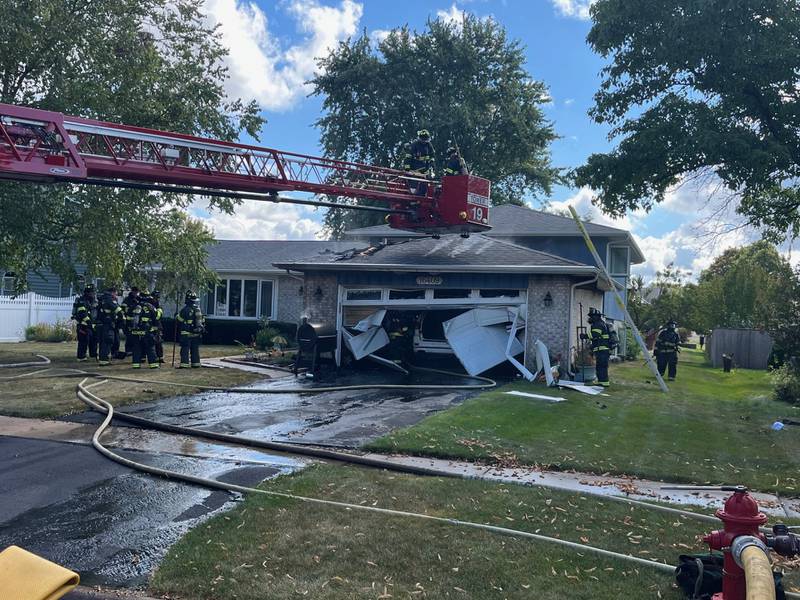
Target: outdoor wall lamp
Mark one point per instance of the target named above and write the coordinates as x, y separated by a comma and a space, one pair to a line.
548, 300
318, 292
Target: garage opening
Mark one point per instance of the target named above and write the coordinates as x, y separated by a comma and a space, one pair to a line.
445, 327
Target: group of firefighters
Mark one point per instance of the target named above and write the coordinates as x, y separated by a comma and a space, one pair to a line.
102, 321
603, 339
419, 158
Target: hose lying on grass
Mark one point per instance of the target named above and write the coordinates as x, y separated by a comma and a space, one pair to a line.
102, 406
484, 383
34, 363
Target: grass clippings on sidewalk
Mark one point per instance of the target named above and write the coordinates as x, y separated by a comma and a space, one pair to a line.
271, 547
42, 398
711, 427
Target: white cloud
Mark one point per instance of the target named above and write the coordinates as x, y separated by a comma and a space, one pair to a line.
582, 202
569, 101
378, 35
260, 65
256, 220
454, 15
578, 9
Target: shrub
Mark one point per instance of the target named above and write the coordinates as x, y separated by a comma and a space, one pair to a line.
632, 349
60, 331
787, 384
684, 334
264, 337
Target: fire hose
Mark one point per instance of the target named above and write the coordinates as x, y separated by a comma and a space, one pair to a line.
754, 559
753, 564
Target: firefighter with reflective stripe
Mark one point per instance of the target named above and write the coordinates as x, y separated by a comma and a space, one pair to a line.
421, 161
140, 318
158, 332
600, 335
667, 348
131, 299
109, 320
455, 165
84, 313
191, 324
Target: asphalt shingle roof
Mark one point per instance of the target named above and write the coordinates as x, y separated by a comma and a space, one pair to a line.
261, 255
477, 252
510, 219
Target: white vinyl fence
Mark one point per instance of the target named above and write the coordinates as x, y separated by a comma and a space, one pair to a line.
17, 313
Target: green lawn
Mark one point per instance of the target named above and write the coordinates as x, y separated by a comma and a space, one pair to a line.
42, 398
711, 427
277, 548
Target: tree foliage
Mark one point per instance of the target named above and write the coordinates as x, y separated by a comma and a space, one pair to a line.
752, 286
694, 86
152, 63
465, 82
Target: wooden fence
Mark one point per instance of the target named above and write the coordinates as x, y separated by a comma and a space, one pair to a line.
750, 347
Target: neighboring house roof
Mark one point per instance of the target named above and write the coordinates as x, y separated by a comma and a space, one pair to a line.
451, 253
247, 256
510, 220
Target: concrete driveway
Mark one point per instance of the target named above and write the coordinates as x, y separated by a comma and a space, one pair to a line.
63, 500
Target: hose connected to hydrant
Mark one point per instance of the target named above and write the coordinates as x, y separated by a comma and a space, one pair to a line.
750, 553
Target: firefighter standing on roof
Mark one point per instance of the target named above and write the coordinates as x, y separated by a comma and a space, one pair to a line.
192, 325
600, 335
84, 312
140, 317
667, 349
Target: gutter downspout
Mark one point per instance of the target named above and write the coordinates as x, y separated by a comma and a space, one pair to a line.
570, 320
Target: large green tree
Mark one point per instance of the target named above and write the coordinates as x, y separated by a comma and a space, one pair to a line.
751, 286
694, 86
465, 82
152, 63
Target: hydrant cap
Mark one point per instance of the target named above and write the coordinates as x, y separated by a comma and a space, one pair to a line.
742, 508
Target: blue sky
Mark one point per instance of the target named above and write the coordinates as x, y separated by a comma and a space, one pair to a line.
272, 48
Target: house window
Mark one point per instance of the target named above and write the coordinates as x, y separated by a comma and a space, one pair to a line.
363, 294
234, 297
250, 298
618, 260
241, 298
266, 299
406, 294
7, 283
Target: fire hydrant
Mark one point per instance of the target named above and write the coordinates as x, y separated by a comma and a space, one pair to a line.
742, 521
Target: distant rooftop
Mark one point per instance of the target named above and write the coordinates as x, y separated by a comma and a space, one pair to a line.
477, 253
510, 220
260, 255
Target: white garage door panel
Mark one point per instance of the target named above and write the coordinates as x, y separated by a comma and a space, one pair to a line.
479, 338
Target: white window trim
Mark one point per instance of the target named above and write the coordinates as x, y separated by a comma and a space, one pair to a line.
242, 278
627, 262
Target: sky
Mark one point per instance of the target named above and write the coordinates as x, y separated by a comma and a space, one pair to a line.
272, 49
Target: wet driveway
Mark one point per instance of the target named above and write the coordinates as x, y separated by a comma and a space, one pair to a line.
68, 503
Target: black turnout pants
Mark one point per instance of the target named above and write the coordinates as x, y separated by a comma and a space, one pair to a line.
106, 334
190, 345
667, 359
87, 340
601, 365
142, 346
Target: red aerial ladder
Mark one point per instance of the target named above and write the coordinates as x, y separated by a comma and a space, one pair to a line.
50, 147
